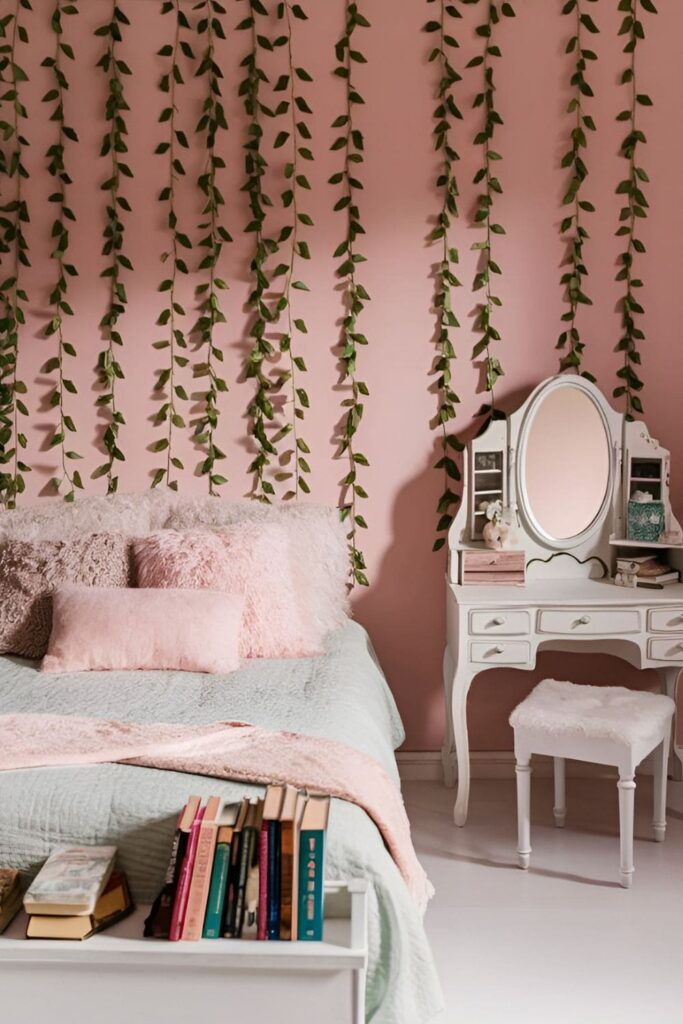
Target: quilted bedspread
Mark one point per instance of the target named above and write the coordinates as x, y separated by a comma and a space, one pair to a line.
341, 696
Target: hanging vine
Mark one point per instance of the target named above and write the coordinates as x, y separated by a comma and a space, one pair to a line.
174, 341
113, 145
484, 213
70, 479
210, 124
635, 206
14, 216
260, 410
298, 137
572, 227
445, 113
351, 143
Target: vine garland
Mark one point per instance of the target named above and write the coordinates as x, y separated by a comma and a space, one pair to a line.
166, 384
211, 123
572, 225
14, 214
260, 409
351, 143
491, 187
60, 307
113, 145
445, 113
299, 136
635, 207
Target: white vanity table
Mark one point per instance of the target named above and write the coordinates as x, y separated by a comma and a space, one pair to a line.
565, 465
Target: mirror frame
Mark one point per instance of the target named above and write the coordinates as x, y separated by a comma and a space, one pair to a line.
533, 404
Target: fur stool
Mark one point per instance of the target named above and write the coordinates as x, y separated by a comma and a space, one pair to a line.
604, 724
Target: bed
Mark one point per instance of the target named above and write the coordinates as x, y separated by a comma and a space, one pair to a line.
341, 695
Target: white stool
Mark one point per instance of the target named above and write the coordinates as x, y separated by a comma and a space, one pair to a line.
605, 724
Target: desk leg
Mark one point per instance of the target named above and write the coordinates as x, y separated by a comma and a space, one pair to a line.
669, 679
462, 680
448, 747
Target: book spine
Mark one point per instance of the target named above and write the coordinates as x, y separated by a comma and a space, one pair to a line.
216, 901
273, 880
262, 927
158, 922
183, 888
231, 891
246, 856
311, 885
286, 867
201, 879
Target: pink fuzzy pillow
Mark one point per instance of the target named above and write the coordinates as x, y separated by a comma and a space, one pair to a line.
250, 559
98, 628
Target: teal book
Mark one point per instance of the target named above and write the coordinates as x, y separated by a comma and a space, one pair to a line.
312, 841
217, 890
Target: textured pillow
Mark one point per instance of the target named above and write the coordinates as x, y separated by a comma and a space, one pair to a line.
250, 559
56, 519
31, 570
317, 541
95, 629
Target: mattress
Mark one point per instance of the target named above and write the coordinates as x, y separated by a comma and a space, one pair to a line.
341, 695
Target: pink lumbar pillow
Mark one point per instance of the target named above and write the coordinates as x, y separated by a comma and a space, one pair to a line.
252, 559
100, 628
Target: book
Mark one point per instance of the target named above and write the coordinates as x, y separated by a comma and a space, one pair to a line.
113, 905
269, 874
312, 868
70, 881
227, 821
248, 851
201, 872
158, 922
183, 888
10, 896
233, 872
657, 582
290, 816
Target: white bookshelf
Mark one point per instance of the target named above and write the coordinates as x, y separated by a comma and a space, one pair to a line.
177, 982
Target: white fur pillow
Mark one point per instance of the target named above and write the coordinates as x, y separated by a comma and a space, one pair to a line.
56, 519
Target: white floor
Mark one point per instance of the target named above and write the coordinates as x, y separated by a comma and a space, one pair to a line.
562, 943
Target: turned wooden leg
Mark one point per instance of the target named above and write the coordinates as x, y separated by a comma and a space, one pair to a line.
523, 773
461, 686
627, 790
560, 807
448, 748
661, 767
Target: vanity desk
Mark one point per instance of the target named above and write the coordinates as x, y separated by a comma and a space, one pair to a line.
565, 467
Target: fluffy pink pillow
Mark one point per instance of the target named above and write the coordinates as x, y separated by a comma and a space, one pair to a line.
250, 559
100, 628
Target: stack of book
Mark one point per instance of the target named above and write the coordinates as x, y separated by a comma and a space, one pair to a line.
248, 870
10, 896
645, 571
76, 893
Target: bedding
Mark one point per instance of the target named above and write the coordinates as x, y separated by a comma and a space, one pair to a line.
340, 696
96, 628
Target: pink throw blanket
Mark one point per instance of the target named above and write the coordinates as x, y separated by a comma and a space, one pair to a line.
224, 750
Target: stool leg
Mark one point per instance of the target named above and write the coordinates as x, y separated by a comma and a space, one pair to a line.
560, 808
627, 789
523, 772
661, 768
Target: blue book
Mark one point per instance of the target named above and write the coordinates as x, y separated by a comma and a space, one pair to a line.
311, 914
217, 890
273, 919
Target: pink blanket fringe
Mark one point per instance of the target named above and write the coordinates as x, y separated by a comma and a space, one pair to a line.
223, 750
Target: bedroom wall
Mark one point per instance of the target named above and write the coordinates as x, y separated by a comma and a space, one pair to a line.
403, 608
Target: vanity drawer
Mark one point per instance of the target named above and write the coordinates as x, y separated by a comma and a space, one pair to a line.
666, 649
592, 622
504, 623
510, 652
665, 620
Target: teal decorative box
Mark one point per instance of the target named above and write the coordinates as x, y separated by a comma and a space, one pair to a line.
646, 520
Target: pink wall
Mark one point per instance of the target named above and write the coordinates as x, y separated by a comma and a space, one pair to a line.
403, 609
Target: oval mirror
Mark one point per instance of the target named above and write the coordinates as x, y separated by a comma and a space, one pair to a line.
565, 462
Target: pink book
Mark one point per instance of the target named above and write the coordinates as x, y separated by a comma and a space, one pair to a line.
262, 921
183, 890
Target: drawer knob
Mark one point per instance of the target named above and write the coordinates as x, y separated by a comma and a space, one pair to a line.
499, 620
499, 649
584, 620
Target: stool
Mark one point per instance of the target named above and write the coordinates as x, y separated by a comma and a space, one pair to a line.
604, 724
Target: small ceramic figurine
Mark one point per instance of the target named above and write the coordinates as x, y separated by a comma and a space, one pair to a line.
499, 532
